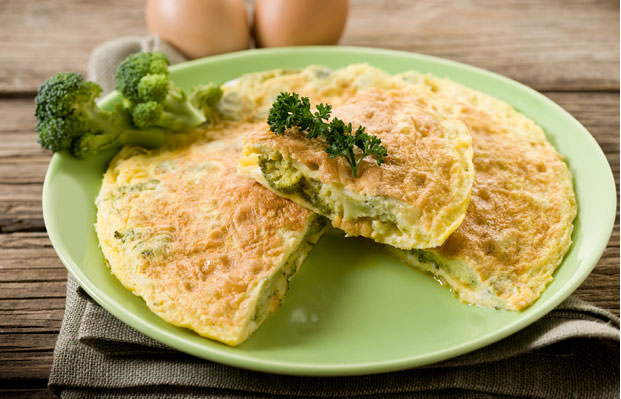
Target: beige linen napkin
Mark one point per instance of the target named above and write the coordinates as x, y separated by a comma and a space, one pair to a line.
571, 352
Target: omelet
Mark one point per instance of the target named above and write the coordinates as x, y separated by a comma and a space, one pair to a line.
205, 248
519, 222
416, 199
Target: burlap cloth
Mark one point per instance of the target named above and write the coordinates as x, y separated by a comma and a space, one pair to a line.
573, 352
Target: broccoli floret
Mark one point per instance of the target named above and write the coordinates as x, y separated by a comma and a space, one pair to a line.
152, 99
134, 68
206, 98
68, 119
154, 87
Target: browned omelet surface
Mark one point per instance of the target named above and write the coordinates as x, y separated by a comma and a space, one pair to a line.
206, 248
428, 171
520, 219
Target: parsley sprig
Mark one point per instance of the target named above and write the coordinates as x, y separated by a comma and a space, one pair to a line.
292, 111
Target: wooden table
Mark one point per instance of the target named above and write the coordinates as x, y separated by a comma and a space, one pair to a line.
567, 49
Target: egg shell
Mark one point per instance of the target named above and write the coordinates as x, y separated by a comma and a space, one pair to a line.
199, 28
299, 22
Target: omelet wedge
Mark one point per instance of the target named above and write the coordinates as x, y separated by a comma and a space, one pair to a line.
416, 199
520, 219
205, 248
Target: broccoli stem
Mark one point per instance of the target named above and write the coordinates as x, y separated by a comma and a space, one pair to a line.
90, 144
179, 114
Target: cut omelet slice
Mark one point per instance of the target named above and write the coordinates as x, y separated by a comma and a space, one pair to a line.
205, 248
416, 199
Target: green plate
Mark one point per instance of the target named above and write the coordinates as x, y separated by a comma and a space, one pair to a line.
352, 309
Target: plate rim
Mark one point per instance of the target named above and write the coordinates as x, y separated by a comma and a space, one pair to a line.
287, 368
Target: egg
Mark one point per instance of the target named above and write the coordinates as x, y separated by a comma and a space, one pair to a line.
299, 22
199, 28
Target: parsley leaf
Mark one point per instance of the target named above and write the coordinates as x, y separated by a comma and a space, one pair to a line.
291, 111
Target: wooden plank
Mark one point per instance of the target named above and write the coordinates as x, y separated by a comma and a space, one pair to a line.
20, 207
31, 321
32, 302
34, 289
27, 274
25, 365
42, 38
20, 192
28, 393
20, 341
20, 152
550, 45
21, 304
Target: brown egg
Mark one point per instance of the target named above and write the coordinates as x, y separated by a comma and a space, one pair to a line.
199, 28
299, 22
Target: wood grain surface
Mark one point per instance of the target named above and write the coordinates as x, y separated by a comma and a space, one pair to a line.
568, 49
